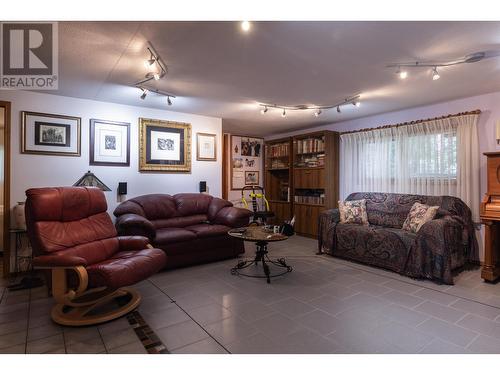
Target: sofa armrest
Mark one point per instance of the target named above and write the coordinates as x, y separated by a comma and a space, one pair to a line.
135, 225
327, 223
233, 217
51, 261
131, 243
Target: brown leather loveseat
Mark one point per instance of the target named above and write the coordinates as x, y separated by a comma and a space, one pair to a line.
190, 228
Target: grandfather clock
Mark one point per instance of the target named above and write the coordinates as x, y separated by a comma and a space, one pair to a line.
489, 211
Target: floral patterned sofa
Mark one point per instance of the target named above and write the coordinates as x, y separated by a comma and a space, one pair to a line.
441, 246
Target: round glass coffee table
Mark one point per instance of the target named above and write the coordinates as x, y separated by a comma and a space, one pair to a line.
261, 236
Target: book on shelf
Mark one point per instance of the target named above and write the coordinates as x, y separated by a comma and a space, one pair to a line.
310, 145
278, 150
317, 160
310, 198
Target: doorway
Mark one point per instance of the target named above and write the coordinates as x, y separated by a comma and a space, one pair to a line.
4, 188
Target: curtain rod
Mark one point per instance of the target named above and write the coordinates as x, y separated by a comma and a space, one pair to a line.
475, 112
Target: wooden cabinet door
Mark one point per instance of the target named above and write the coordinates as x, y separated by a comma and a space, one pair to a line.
282, 212
300, 218
313, 219
309, 178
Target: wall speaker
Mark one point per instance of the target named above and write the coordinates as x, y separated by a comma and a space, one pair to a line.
203, 186
122, 188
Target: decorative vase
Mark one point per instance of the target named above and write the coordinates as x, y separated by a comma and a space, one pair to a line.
19, 216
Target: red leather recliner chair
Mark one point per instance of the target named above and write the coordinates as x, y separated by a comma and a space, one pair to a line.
73, 236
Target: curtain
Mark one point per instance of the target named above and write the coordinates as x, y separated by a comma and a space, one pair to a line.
435, 157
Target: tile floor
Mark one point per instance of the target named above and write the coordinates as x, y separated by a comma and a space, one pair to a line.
326, 305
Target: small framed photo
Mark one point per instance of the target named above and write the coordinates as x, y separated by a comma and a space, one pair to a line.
164, 146
251, 177
109, 143
48, 134
206, 147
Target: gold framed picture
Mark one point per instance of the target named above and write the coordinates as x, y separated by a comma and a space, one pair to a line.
48, 134
164, 146
206, 147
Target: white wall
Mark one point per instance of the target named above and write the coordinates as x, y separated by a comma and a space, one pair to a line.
40, 170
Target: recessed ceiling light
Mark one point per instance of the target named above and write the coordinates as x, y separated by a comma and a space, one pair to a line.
245, 26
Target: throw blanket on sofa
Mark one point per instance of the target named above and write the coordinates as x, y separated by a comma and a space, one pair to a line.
442, 245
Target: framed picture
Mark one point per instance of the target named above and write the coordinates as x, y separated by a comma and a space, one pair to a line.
251, 177
164, 146
48, 134
246, 160
109, 143
206, 147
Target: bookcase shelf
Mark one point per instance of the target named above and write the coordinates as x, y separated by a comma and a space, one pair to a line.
310, 175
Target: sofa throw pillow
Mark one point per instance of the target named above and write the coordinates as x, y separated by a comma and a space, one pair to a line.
353, 212
418, 216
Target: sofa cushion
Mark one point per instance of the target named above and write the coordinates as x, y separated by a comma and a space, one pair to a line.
208, 230
418, 216
192, 204
171, 235
180, 222
374, 245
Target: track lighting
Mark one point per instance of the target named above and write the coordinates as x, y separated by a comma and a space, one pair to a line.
144, 93
467, 59
156, 76
245, 26
435, 74
318, 110
169, 101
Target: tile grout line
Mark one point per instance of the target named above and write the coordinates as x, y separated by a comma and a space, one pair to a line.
403, 281
185, 312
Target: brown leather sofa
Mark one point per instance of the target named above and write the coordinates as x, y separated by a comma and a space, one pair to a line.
73, 237
190, 228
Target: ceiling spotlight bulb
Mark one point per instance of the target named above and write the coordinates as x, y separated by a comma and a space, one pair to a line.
338, 109
156, 76
403, 74
169, 101
144, 94
263, 110
283, 114
317, 112
435, 74
245, 26
149, 63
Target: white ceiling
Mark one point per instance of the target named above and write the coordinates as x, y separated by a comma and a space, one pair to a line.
215, 69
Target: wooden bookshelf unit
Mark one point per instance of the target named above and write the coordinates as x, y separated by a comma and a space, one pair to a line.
302, 178
278, 178
315, 178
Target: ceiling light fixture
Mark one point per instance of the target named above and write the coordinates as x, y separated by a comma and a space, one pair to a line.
467, 59
401, 73
435, 74
169, 101
245, 26
144, 93
318, 109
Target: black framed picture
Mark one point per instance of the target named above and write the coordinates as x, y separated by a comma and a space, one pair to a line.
164, 146
109, 143
49, 134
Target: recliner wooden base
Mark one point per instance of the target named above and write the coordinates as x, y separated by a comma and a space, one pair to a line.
83, 313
